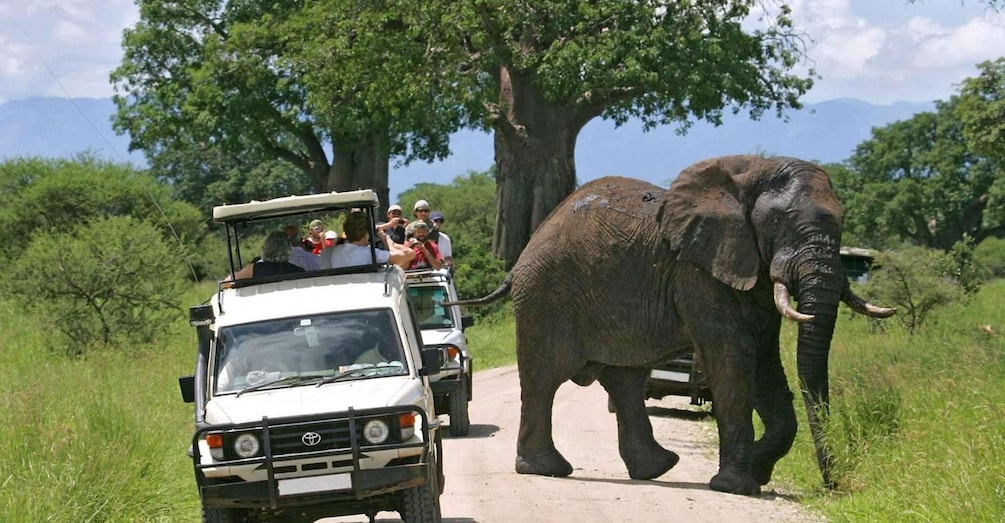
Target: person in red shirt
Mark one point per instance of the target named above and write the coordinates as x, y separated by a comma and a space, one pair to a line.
427, 254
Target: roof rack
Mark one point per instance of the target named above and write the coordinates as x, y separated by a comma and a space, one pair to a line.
290, 205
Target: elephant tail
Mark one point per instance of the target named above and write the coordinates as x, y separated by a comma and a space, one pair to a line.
485, 300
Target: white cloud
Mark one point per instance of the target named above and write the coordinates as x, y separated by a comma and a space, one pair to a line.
978, 40
69, 33
884, 53
75, 43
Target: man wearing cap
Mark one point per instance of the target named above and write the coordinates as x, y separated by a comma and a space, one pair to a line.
330, 241
427, 254
316, 231
442, 240
395, 225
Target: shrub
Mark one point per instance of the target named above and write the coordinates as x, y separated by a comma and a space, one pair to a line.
110, 281
913, 280
990, 253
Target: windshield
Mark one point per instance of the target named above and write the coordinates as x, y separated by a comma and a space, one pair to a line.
431, 314
291, 351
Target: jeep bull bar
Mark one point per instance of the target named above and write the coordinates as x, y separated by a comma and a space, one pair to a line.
284, 441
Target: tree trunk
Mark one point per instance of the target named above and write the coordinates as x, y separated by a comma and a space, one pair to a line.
535, 145
361, 164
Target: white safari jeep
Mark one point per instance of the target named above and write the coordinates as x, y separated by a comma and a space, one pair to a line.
443, 327
311, 390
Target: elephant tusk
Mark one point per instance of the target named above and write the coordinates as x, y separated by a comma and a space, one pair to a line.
785, 308
863, 307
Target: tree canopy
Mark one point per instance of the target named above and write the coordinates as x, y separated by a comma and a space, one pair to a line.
934, 178
213, 90
275, 81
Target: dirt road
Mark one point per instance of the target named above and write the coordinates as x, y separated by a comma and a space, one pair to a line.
482, 487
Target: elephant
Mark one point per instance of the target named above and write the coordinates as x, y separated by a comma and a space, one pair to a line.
623, 275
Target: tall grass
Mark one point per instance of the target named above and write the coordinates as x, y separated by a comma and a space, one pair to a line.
917, 422
99, 438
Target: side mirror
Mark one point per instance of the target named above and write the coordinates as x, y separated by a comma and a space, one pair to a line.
187, 385
467, 321
431, 361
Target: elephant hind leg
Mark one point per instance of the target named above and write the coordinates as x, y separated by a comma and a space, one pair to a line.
643, 456
535, 448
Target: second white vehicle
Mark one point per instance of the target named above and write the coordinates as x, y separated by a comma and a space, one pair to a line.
443, 327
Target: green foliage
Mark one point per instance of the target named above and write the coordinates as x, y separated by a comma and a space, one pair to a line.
107, 282
982, 109
960, 266
935, 178
915, 281
41, 197
914, 417
97, 438
990, 254
919, 181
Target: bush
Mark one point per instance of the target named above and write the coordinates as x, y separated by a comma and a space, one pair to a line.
42, 195
914, 280
112, 281
991, 255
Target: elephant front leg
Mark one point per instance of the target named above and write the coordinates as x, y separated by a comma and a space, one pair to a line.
535, 448
643, 456
732, 393
773, 402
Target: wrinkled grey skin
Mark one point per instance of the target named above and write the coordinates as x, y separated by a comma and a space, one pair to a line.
623, 275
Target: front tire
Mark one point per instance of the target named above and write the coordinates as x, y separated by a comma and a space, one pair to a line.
460, 422
422, 504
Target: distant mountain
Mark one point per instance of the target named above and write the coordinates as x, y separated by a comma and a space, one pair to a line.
825, 132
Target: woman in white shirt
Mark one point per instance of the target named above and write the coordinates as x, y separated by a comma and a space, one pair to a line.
355, 250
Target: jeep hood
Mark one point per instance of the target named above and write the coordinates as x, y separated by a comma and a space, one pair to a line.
310, 399
434, 336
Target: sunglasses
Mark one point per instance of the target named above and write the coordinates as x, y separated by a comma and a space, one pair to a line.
422, 210
439, 221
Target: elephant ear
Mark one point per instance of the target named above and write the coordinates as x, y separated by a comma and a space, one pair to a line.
706, 223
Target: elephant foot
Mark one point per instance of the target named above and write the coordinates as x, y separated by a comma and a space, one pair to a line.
735, 484
547, 463
762, 471
654, 466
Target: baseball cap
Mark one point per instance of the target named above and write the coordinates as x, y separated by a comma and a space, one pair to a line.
331, 235
394, 207
436, 216
421, 204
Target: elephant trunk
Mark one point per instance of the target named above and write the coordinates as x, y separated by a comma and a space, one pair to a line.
819, 294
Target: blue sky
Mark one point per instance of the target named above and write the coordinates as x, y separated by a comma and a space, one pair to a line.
880, 51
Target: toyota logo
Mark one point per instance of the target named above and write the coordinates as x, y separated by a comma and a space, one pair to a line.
311, 438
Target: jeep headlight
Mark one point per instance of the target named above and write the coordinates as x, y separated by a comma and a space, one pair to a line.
246, 445
376, 431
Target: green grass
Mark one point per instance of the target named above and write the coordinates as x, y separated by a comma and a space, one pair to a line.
917, 424
101, 438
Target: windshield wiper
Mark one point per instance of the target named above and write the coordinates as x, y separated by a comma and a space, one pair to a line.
288, 379
339, 375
